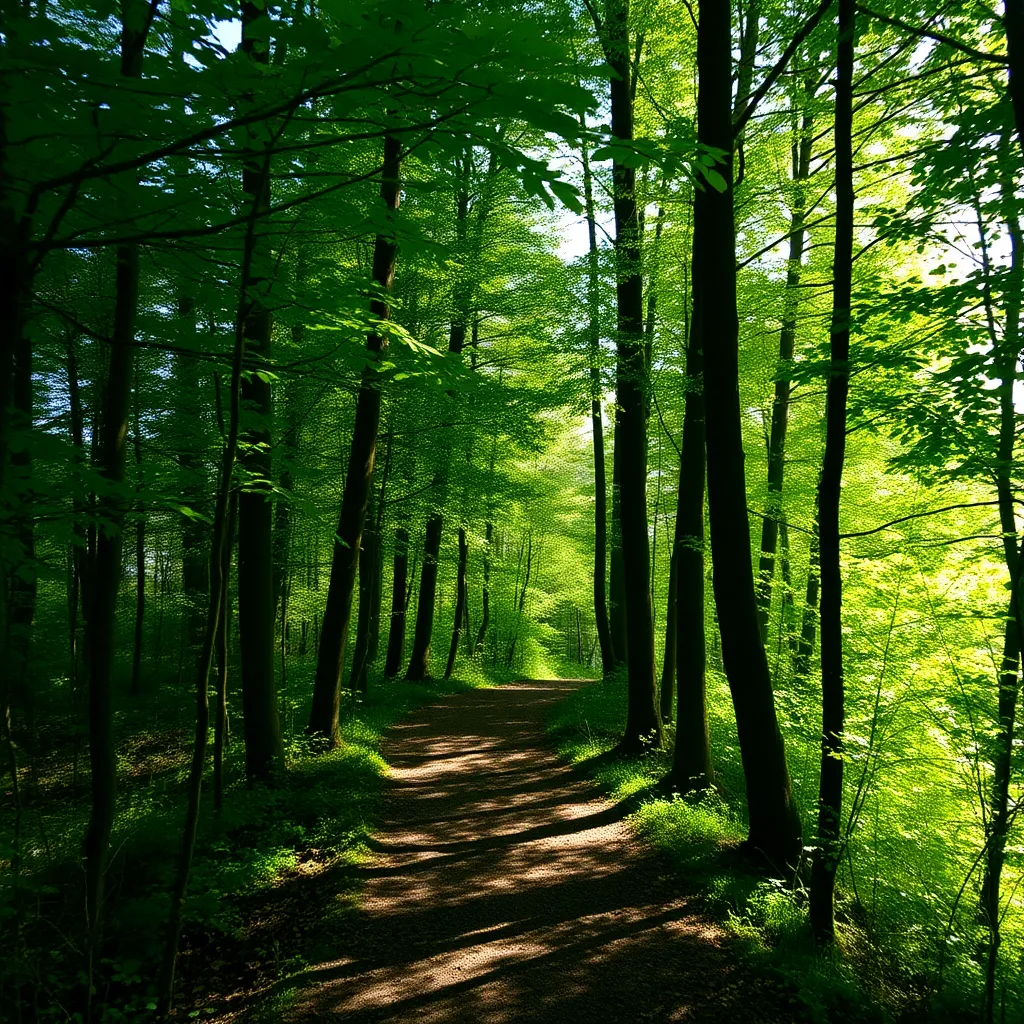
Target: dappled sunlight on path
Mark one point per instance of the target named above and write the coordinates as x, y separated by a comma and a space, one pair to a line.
504, 889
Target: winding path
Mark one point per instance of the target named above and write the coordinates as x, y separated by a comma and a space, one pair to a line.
505, 889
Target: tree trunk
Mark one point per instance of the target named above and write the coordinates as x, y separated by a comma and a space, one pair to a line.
257, 610
667, 690
691, 760
396, 634
774, 821
804, 646
780, 403
368, 620
828, 848
643, 724
193, 482
1000, 815
106, 574
419, 662
140, 551
460, 604
323, 719
1013, 24
597, 424
220, 559
485, 618
221, 726
616, 566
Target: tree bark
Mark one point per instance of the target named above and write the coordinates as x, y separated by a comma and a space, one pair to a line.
616, 566
106, 573
804, 646
643, 723
774, 821
1013, 25
419, 661
257, 610
460, 604
485, 617
780, 404
691, 760
323, 719
396, 633
597, 423
667, 690
828, 848
220, 560
140, 551
1000, 816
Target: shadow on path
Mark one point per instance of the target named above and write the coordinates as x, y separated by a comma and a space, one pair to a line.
504, 889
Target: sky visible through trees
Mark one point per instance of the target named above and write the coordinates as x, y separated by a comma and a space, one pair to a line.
356, 355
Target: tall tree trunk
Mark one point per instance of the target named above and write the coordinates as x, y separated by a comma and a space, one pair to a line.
774, 821
828, 848
667, 690
1013, 25
194, 485
616, 566
396, 633
1000, 815
140, 549
221, 725
460, 604
106, 574
23, 585
220, 559
323, 719
691, 760
368, 623
643, 723
485, 617
804, 643
597, 423
257, 611
419, 661
780, 403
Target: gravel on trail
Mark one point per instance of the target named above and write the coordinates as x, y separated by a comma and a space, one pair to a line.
505, 888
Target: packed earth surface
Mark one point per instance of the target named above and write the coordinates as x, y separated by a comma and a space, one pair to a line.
504, 888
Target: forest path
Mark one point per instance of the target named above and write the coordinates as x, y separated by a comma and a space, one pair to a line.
504, 888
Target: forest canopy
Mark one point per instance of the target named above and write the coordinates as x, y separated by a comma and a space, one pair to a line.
354, 353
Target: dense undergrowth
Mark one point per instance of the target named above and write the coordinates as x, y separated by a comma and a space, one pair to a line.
249, 918
919, 962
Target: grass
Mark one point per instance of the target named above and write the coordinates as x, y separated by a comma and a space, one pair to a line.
766, 917
249, 918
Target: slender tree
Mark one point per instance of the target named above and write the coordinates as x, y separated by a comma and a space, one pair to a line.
827, 850
323, 718
774, 821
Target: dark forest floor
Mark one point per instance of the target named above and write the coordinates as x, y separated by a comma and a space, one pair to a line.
503, 887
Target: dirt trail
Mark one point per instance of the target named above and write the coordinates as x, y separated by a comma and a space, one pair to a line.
505, 889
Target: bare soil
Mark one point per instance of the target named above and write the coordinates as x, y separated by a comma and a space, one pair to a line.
505, 888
